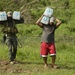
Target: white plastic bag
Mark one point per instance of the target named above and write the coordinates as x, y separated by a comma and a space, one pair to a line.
16, 15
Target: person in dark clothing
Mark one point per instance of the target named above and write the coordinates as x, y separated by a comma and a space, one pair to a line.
10, 32
47, 39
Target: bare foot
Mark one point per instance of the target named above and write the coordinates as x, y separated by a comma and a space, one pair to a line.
46, 65
55, 66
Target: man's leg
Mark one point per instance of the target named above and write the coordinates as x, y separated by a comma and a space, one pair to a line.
14, 48
44, 52
45, 61
53, 62
53, 54
9, 44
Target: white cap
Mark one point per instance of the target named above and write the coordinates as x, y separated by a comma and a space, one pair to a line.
52, 19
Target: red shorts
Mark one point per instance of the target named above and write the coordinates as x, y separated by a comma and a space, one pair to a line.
47, 48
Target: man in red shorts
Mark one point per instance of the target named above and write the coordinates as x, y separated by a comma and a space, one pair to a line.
47, 39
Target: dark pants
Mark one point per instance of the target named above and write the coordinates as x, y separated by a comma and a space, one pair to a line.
12, 47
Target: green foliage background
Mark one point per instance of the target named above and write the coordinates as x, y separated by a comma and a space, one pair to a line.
31, 10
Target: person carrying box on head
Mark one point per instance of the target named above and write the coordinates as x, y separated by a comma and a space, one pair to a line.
47, 39
10, 32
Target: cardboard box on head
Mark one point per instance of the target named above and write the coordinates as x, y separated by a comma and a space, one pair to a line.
47, 14
45, 20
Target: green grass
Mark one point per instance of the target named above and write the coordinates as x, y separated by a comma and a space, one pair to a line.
28, 57
30, 62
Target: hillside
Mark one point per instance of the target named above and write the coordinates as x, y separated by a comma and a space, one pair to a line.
31, 10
